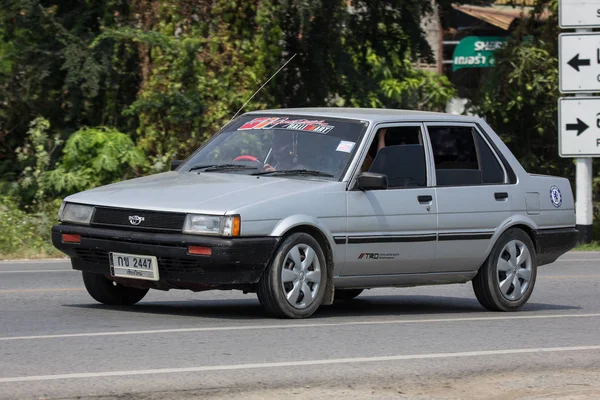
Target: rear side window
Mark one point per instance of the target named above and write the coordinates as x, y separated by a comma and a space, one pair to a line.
491, 170
462, 157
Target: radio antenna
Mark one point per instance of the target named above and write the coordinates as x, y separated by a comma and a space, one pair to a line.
260, 88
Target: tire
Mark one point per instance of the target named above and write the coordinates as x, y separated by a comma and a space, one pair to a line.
346, 294
285, 278
105, 291
507, 278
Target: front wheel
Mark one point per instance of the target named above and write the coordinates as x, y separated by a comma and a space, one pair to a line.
293, 285
106, 291
506, 279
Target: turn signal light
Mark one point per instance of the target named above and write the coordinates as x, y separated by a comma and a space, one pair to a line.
199, 250
71, 238
236, 226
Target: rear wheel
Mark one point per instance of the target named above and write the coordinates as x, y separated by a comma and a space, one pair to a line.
506, 279
110, 292
346, 294
293, 285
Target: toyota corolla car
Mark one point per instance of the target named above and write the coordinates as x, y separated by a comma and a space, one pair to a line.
304, 206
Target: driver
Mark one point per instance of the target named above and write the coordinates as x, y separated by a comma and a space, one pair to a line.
283, 155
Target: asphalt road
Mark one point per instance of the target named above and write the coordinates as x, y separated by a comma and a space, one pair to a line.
428, 342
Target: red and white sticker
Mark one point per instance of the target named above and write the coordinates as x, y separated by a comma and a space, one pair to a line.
318, 126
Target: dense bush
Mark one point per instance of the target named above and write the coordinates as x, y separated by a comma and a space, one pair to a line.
91, 157
26, 234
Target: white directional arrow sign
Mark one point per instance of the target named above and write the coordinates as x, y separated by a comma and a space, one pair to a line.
579, 62
579, 126
579, 13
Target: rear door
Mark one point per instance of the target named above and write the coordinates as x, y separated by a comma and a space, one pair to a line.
473, 194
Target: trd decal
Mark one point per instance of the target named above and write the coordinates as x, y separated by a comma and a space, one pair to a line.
378, 256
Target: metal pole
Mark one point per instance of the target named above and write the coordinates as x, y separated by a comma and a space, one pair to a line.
584, 210
583, 205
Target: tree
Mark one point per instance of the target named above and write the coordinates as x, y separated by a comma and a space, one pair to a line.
519, 96
202, 60
49, 69
171, 73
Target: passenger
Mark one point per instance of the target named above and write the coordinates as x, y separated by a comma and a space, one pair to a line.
366, 165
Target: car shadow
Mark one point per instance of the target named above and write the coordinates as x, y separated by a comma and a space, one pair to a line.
366, 306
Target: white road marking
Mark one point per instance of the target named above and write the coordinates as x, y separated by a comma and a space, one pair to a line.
568, 276
40, 290
575, 259
295, 326
354, 360
25, 271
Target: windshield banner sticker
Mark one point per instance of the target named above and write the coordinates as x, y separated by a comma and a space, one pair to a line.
286, 123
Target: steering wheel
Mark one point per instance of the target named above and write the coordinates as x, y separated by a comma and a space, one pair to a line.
246, 158
252, 159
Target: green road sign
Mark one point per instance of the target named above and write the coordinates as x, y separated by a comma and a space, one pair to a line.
476, 52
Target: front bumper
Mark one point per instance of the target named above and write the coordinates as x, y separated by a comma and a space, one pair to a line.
234, 261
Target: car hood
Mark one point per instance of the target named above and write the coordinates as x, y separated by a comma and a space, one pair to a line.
215, 193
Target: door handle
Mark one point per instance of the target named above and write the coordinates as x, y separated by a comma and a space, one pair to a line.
501, 195
425, 199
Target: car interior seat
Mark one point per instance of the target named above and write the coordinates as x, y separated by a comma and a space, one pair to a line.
404, 165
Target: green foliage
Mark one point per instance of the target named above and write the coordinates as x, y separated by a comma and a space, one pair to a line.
400, 85
198, 64
94, 157
90, 157
48, 69
26, 235
35, 159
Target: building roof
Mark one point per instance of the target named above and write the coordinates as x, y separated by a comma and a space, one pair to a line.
501, 16
376, 115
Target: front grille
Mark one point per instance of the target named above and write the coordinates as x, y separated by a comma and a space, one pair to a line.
152, 220
165, 264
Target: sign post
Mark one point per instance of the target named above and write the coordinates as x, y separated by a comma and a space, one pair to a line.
579, 73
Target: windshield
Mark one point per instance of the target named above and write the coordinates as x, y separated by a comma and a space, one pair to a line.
302, 146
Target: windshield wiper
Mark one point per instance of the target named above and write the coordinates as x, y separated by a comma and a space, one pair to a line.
219, 167
295, 172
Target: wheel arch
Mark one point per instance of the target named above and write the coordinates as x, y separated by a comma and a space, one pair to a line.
312, 226
520, 222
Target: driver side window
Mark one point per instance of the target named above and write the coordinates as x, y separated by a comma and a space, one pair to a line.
398, 153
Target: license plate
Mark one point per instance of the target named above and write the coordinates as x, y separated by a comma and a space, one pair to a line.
133, 266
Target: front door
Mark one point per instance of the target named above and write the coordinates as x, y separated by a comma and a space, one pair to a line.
393, 231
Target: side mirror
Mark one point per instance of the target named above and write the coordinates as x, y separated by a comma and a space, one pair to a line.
372, 181
175, 164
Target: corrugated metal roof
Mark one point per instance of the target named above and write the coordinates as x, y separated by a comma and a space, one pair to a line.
516, 2
498, 15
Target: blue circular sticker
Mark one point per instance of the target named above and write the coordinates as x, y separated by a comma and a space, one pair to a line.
555, 196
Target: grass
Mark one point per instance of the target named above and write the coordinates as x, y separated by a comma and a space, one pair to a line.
32, 254
26, 235
593, 246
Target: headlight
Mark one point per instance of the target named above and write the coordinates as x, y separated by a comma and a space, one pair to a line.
76, 213
199, 224
60, 210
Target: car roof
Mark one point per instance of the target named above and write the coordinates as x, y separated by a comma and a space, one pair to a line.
374, 115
